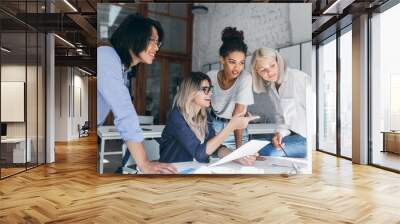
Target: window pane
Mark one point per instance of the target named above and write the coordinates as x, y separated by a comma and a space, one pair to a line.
13, 86
385, 88
41, 99
172, 42
153, 78
346, 93
162, 8
31, 97
174, 79
178, 9
110, 16
327, 97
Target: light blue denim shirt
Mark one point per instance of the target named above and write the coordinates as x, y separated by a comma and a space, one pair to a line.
113, 95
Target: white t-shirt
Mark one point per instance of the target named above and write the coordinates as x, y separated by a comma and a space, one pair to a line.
223, 101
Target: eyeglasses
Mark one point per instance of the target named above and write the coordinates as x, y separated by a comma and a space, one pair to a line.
207, 89
156, 42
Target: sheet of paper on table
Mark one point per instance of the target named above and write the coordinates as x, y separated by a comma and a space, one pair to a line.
250, 148
271, 165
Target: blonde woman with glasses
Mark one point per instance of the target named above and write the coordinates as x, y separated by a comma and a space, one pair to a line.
280, 98
189, 134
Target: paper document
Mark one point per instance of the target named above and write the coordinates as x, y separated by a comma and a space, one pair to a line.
250, 148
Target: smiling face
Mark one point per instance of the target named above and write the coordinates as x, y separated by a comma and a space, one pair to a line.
233, 64
267, 69
203, 96
147, 55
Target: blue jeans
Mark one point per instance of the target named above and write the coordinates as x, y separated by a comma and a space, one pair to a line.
229, 142
295, 146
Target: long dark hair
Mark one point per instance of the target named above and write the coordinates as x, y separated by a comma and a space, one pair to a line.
232, 40
134, 34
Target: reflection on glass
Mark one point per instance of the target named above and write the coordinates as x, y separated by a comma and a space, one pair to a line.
346, 94
153, 91
327, 97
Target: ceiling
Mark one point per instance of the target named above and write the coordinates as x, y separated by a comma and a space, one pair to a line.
76, 22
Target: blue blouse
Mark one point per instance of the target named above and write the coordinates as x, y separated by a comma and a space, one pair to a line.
113, 95
178, 142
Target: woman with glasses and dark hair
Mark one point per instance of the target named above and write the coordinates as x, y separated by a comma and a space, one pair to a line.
137, 40
233, 91
189, 134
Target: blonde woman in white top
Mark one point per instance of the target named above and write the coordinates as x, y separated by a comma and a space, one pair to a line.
280, 98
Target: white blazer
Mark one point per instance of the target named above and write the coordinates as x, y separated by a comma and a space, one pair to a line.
292, 95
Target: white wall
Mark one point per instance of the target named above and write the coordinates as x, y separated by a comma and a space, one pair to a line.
264, 25
16, 72
62, 81
70, 83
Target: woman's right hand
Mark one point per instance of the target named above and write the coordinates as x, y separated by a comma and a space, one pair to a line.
277, 141
239, 121
158, 168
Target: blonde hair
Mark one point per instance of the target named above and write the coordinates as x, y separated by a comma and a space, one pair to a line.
184, 100
258, 82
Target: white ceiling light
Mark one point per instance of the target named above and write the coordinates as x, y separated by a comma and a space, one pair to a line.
84, 71
5, 50
337, 7
65, 41
199, 10
70, 5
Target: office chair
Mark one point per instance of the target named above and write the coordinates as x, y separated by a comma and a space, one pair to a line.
84, 130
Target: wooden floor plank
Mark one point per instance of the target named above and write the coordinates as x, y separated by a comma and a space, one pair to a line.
71, 191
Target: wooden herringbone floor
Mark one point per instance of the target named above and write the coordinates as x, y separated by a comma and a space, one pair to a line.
70, 191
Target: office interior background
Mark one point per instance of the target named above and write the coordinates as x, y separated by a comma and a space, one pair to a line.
29, 55
48, 88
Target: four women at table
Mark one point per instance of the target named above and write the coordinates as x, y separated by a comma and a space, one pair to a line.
191, 133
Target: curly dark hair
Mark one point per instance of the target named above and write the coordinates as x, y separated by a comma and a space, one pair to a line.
232, 40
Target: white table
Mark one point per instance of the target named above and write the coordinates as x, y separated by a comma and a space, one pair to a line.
271, 165
111, 133
19, 153
154, 131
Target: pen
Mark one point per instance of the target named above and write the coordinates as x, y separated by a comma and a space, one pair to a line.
282, 147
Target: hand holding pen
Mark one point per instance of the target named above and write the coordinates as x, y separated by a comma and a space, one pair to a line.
277, 142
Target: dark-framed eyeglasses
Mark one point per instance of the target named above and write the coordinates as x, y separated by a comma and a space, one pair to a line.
207, 89
156, 42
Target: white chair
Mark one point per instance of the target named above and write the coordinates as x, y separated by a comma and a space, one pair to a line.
146, 120
151, 146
